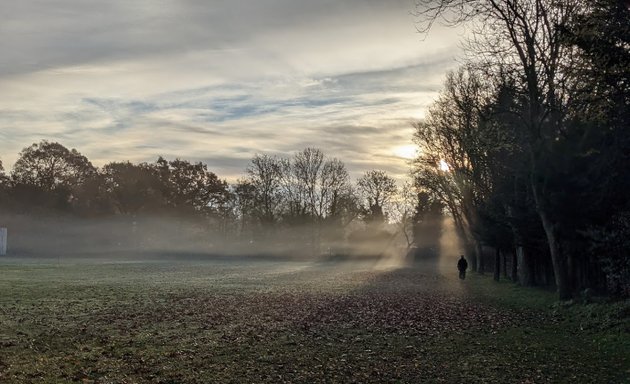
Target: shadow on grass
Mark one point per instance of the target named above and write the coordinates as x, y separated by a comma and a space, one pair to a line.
199, 321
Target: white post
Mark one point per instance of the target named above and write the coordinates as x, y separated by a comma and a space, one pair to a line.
3, 241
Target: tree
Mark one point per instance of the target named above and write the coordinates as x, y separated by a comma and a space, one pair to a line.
306, 167
190, 186
457, 145
3, 177
334, 187
405, 209
376, 189
306, 198
563, 67
315, 193
91, 198
264, 174
524, 36
427, 221
599, 112
313, 185
51, 166
246, 206
3, 185
48, 174
133, 188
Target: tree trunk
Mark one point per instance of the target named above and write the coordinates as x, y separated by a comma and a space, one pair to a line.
559, 259
497, 264
514, 267
505, 271
525, 272
479, 253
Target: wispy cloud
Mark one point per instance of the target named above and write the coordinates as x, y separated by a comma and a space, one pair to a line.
217, 81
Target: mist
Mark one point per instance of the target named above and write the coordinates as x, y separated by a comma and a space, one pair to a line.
450, 248
147, 238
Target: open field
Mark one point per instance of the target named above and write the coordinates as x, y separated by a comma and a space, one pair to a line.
300, 322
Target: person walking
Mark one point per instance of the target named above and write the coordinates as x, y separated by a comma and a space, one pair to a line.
462, 266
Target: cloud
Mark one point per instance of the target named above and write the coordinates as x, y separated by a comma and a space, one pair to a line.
217, 80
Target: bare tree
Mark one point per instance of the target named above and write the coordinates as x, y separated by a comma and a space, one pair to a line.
333, 185
313, 184
404, 208
376, 189
524, 35
456, 148
264, 173
244, 193
307, 167
316, 192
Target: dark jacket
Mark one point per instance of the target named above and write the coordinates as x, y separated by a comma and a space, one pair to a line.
462, 264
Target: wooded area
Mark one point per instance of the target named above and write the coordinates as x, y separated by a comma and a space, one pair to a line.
528, 142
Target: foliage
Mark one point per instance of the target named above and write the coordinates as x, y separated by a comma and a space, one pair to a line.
528, 142
51, 166
303, 201
50, 174
190, 186
2, 174
611, 244
132, 187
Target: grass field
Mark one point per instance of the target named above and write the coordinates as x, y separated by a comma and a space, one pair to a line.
299, 322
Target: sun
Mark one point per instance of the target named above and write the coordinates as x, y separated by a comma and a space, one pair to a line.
406, 151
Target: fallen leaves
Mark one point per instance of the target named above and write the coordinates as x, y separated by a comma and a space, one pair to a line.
214, 323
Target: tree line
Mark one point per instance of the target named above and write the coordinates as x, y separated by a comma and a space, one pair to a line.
306, 201
528, 144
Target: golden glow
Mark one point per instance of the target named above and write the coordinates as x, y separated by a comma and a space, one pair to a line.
406, 151
444, 166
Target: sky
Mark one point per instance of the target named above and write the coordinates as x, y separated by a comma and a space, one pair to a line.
219, 81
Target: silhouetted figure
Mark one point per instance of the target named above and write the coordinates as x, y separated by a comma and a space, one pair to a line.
462, 265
